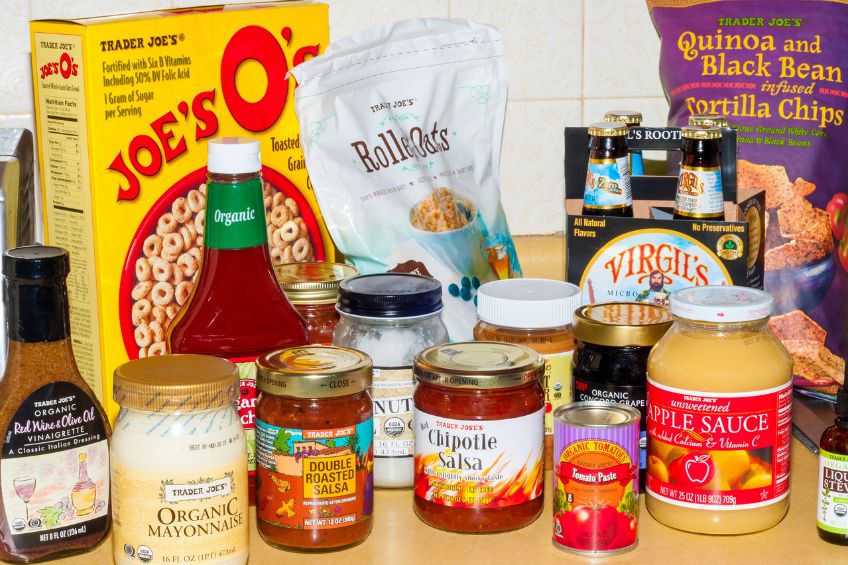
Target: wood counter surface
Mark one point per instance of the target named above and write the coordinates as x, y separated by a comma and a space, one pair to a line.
399, 538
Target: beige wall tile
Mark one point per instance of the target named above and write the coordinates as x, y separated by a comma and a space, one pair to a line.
14, 29
654, 110
43, 9
16, 83
532, 165
350, 16
620, 50
542, 40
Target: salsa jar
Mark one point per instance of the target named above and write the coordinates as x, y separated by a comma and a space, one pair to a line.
179, 467
479, 436
313, 289
611, 356
719, 415
535, 313
314, 436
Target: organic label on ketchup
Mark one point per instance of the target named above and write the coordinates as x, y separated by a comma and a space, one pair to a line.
719, 450
479, 463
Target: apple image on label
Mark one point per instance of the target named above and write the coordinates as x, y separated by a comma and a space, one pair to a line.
694, 469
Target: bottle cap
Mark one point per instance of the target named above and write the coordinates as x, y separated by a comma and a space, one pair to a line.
721, 304
390, 295
527, 303
314, 371
313, 283
708, 120
608, 129
621, 324
478, 365
697, 132
36, 262
629, 117
233, 156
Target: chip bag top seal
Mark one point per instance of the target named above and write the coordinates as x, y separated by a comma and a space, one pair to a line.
401, 128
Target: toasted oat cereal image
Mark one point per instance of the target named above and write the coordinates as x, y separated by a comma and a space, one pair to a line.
797, 325
441, 211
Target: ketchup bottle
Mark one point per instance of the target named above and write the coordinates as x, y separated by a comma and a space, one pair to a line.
237, 309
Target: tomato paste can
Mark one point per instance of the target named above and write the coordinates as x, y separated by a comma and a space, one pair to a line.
596, 477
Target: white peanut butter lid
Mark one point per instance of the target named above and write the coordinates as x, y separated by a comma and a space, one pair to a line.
527, 303
721, 303
233, 155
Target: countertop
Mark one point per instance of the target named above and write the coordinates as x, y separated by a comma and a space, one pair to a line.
399, 537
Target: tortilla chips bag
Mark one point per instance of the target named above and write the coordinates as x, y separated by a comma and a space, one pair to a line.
778, 70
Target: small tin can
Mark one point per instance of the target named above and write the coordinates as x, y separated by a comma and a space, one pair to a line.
596, 472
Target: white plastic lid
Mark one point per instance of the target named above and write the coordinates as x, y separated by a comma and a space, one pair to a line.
233, 155
527, 303
721, 303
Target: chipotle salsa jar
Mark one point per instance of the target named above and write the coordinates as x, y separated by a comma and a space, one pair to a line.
479, 436
314, 435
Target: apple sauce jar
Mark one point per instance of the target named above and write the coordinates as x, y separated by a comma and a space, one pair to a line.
719, 415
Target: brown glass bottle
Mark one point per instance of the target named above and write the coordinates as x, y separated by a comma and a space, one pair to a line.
831, 516
699, 190
607, 191
54, 467
632, 119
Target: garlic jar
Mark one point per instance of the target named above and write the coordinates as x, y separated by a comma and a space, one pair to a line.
179, 467
392, 317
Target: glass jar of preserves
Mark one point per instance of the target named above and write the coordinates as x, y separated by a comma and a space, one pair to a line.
535, 313
699, 190
632, 119
719, 415
313, 289
314, 436
391, 317
178, 454
479, 436
611, 356
607, 191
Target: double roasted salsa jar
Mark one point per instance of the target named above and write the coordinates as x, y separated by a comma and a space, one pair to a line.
479, 436
611, 356
314, 433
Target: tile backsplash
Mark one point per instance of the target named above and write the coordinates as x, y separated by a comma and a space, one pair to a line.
568, 61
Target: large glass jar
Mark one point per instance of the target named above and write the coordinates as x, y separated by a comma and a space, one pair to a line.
179, 467
719, 414
392, 317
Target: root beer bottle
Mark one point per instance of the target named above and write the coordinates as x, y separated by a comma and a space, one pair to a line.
607, 191
699, 191
631, 119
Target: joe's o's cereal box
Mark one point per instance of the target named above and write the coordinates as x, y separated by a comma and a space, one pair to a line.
125, 106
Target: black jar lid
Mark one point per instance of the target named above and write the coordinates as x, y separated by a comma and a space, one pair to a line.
36, 262
390, 295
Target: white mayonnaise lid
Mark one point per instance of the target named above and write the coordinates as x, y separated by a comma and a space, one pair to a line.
527, 303
721, 303
233, 155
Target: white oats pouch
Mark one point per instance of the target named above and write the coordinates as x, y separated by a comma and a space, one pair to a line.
401, 127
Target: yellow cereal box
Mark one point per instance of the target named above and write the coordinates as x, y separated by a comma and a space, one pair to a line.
125, 106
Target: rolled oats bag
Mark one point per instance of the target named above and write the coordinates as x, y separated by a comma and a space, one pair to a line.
401, 128
777, 70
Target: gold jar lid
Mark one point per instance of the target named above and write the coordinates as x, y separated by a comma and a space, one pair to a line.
314, 371
313, 283
708, 120
695, 132
621, 324
608, 129
629, 117
176, 383
478, 365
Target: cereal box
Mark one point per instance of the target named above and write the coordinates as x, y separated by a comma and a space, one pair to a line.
125, 106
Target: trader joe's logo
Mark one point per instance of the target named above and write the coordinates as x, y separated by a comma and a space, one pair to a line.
64, 67
648, 265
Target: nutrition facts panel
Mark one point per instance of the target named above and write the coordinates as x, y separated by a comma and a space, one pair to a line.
65, 167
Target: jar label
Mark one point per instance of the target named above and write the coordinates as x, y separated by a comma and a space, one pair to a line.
608, 183
235, 215
635, 396
391, 391
557, 384
699, 192
181, 516
314, 479
247, 407
832, 506
54, 471
479, 463
719, 450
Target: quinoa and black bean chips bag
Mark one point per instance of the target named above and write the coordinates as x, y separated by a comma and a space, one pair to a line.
778, 69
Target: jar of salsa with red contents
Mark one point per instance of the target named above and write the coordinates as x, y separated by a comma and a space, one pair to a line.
479, 436
314, 455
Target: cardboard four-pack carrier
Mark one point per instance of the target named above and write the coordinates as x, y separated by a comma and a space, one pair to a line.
125, 106
648, 256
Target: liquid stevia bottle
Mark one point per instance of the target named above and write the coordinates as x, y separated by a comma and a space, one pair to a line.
832, 503
237, 310
699, 190
607, 191
54, 467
